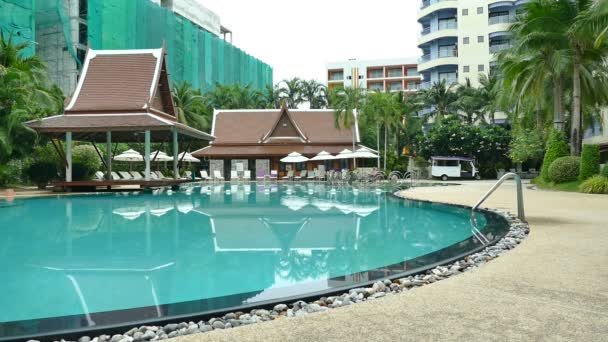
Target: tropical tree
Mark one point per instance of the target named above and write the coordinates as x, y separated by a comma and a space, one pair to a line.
269, 97
190, 106
26, 93
346, 102
385, 109
441, 97
314, 93
291, 92
468, 103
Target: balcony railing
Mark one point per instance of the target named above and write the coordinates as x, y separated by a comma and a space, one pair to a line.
499, 47
448, 53
425, 85
424, 58
447, 25
426, 30
449, 80
501, 19
427, 3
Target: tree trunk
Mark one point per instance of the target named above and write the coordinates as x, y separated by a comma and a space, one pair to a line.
378, 142
575, 132
354, 139
558, 104
385, 144
539, 119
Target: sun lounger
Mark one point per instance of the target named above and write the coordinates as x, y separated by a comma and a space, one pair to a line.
302, 175
125, 175
260, 176
188, 175
161, 176
115, 176
312, 175
289, 175
247, 175
205, 175
136, 175
217, 175
274, 175
100, 176
234, 176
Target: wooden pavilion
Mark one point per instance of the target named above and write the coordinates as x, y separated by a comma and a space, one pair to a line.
123, 96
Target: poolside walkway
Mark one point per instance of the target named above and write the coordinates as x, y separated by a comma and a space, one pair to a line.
554, 286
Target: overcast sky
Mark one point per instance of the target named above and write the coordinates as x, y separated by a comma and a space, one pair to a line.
298, 37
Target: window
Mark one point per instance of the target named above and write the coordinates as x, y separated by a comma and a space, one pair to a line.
81, 54
447, 51
395, 72
412, 72
480, 67
395, 85
447, 23
375, 86
444, 163
465, 11
374, 73
82, 34
465, 68
480, 39
479, 10
83, 9
465, 40
349, 77
449, 77
336, 75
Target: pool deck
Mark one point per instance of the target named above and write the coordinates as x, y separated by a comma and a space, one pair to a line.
552, 287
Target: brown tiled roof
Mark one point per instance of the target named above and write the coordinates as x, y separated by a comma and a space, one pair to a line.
244, 126
308, 150
127, 81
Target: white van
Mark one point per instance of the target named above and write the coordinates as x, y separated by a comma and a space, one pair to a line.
454, 167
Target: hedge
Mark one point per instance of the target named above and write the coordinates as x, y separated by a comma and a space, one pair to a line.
565, 169
605, 170
556, 148
590, 161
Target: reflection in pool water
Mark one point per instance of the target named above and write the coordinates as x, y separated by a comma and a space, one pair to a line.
202, 248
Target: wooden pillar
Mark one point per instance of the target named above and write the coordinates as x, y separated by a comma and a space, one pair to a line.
175, 154
68, 156
109, 155
147, 154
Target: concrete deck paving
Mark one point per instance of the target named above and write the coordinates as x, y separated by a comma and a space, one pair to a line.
552, 287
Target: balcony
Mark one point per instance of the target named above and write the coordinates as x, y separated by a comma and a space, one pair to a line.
424, 58
430, 6
448, 53
501, 19
426, 30
425, 85
444, 29
499, 47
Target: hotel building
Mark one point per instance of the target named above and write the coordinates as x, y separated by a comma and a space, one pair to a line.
460, 38
375, 75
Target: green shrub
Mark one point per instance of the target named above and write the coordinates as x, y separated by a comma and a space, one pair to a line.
11, 173
556, 148
85, 162
42, 166
595, 185
605, 171
564, 169
590, 161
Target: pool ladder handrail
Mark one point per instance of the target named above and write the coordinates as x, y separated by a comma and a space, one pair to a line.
520, 196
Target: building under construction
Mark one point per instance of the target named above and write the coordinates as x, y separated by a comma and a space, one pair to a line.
198, 46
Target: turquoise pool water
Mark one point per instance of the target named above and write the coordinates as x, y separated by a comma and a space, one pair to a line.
204, 247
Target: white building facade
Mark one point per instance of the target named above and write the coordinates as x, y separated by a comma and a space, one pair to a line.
460, 38
399, 74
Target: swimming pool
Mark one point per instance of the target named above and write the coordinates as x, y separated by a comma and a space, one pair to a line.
89, 261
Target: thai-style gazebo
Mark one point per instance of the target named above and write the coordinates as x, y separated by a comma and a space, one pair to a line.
123, 96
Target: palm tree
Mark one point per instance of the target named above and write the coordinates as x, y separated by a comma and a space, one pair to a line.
488, 96
315, 93
468, 102
441, 97
291, 91
269, 97
190, 106
346, 102
26, 93
385, 109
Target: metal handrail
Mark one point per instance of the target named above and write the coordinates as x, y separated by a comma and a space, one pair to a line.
520, 196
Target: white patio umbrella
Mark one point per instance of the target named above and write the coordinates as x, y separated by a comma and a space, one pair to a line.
129, 156
364, 153
344, 154
294, 157
161, 157
323, 155
187, 158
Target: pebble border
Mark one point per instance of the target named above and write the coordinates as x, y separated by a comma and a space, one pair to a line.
518, 231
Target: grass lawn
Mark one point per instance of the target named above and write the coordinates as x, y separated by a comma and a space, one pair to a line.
569, 186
